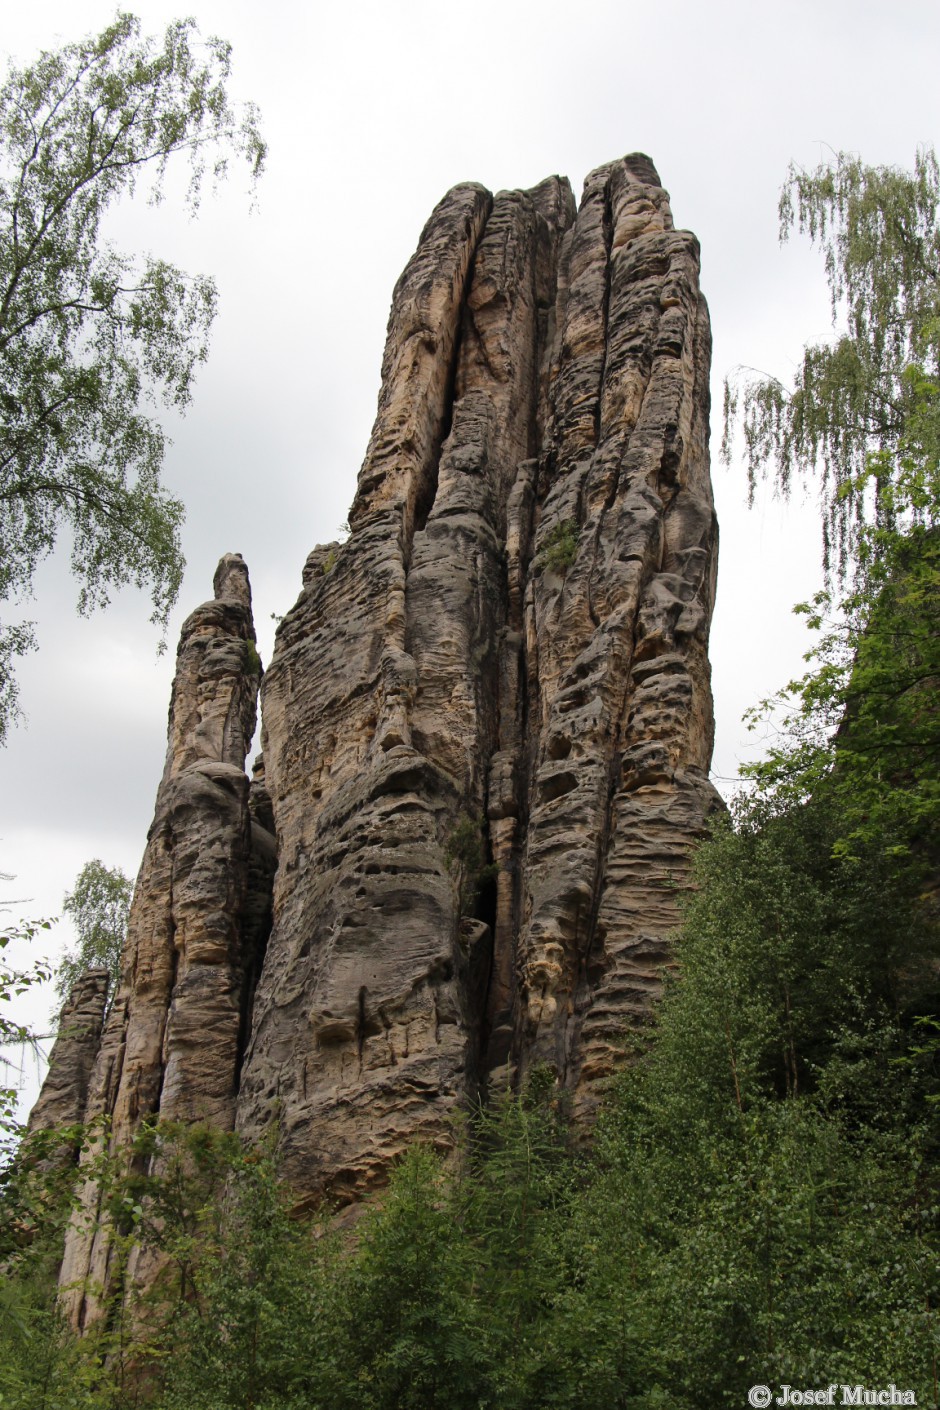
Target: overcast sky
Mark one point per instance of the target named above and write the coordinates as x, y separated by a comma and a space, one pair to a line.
372, 111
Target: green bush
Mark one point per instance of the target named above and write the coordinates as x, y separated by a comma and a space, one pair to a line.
560, 548
465, 855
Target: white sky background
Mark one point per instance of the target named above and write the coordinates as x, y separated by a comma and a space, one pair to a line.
372, 111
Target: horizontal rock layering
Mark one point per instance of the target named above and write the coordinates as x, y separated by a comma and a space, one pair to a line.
487, 723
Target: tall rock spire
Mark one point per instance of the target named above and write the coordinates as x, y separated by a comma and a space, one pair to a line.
173, 1042
619, 709
487, 722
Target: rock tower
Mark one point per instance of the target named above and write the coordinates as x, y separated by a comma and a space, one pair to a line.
487, 722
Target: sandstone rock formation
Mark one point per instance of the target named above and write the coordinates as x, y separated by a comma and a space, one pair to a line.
173, 1043
486, 724
503, 667
64, 1092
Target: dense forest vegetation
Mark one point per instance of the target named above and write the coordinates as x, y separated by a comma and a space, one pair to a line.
760, 1200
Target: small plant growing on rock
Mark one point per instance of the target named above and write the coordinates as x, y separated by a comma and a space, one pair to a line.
465, 855
561, 547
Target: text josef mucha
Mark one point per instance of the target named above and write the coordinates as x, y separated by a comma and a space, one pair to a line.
762, 1396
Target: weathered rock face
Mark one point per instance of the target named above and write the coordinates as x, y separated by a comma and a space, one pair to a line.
486, 724
619, 707
65, 1091
504, 666
173, 1042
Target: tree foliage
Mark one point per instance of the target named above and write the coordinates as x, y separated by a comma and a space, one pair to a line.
864, 409
16, 980
90, 336
98, 905
864, 417
863, 720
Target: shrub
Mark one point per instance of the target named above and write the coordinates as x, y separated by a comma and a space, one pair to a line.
561, 547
